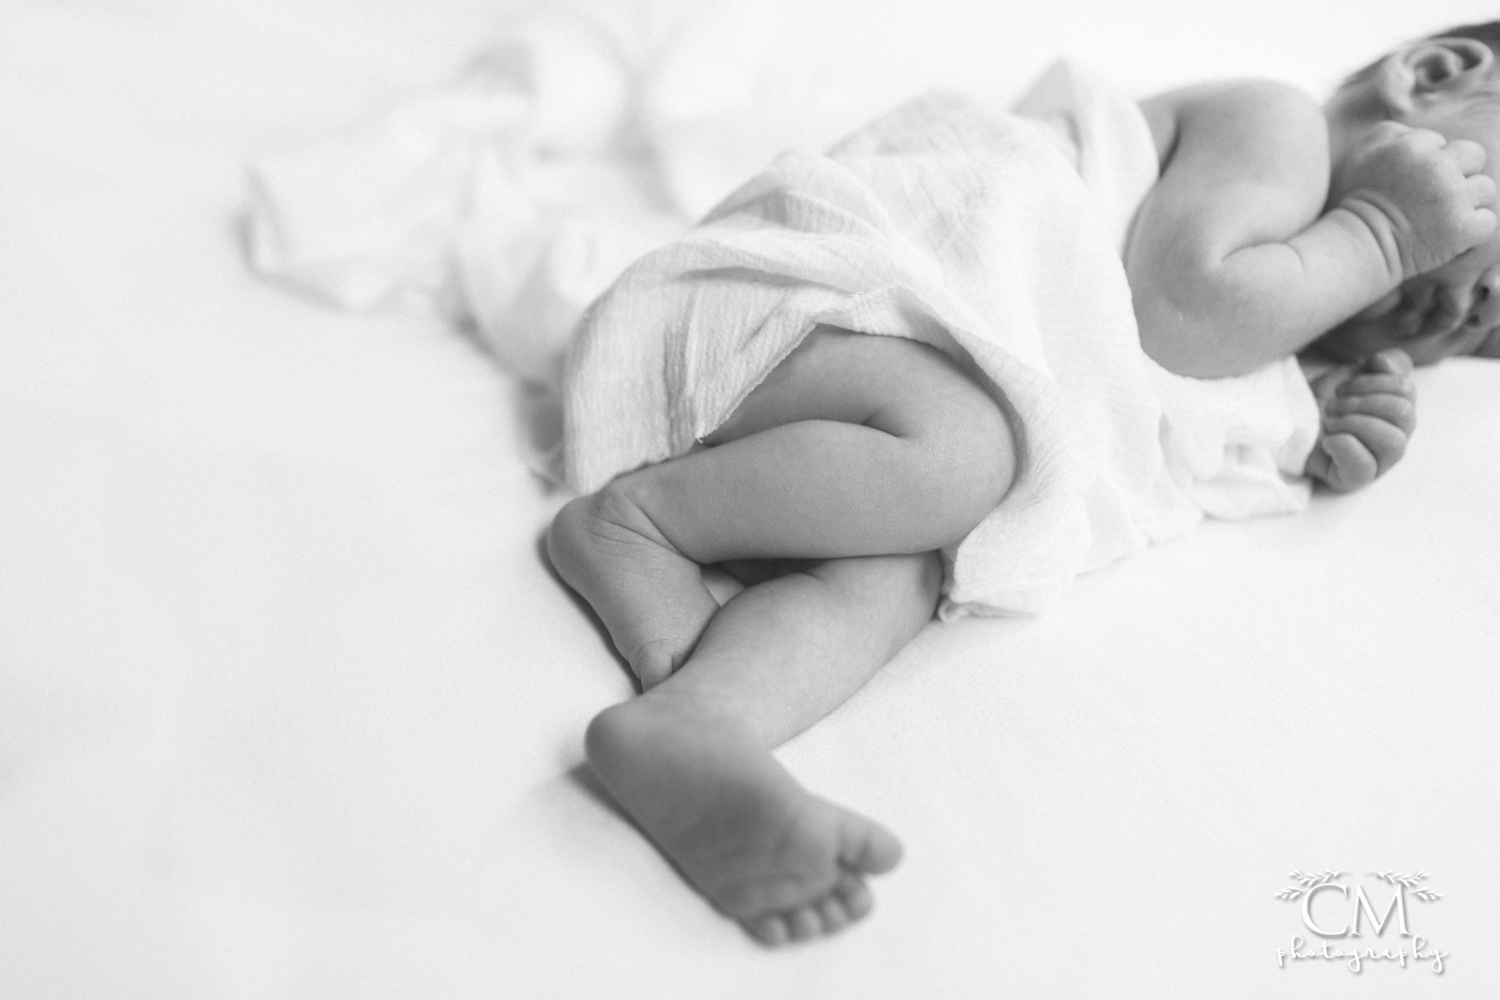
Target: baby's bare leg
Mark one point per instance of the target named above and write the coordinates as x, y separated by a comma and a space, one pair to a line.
690, 760
855, 445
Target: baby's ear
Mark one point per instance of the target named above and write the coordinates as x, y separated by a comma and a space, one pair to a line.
1433, 69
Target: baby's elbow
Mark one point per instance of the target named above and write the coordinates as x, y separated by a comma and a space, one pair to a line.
1183, 337
1173, 303
1201, 318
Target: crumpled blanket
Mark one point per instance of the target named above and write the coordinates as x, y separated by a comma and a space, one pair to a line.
996, 238
510, 196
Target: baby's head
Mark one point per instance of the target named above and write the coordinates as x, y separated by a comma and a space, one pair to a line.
1450, 83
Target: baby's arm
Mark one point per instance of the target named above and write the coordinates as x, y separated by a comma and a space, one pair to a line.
1368, 412
1234, 262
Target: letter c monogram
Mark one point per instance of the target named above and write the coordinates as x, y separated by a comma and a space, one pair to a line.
1307, 917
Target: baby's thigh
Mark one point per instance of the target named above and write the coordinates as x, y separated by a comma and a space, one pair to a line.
900, 386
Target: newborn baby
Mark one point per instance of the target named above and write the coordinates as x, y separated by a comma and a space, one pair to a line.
1363, 228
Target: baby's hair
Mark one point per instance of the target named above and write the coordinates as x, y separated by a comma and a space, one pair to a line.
1488, 33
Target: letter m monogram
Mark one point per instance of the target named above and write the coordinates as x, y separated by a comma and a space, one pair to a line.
1363, 908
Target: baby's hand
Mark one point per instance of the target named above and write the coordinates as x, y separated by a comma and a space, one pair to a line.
1423, 197
1369, 412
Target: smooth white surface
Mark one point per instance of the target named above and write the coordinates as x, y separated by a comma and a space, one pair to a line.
290, 707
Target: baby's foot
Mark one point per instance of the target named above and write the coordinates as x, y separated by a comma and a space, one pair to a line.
786, 864
650, 597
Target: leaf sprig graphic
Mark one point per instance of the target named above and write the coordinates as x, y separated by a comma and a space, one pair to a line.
1306, 882
1411, 881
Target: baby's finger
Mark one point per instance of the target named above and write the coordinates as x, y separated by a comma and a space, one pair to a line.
1467, 155
1326, 385
1370, 384
1352, 464
1392, 360
1399, 411
1383, 440
1417, 138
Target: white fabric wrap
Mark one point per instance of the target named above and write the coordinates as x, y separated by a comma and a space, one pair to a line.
997, 239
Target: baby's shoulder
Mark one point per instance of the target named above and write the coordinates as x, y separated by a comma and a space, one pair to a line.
1233, 114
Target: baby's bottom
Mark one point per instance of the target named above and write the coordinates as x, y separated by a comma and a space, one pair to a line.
862, 454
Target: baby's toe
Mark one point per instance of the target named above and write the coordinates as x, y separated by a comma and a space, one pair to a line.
866, 846
770, 929
804, 922
854, 896
652, 665
835, 917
